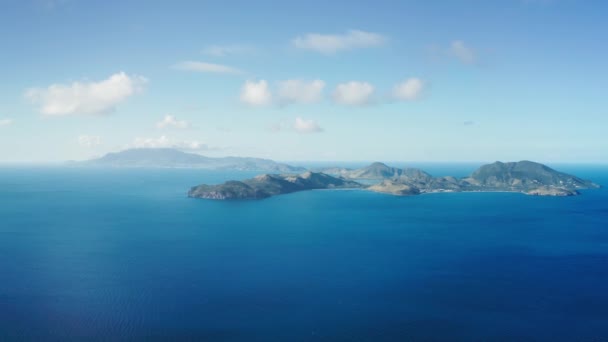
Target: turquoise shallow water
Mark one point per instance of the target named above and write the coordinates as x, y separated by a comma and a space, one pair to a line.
124, 255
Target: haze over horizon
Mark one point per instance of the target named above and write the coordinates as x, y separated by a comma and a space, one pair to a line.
316, 81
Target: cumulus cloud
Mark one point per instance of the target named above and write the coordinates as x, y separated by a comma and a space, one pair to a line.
89, 140
462, 52
161, 142
86, 97
408, 90
165, 142
226, 50
299, 91
306, 126
299, 125
332, 43
353, 93
206, 67
6, 122
170, 121
256, 93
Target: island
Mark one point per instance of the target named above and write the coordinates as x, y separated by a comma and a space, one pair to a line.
267, 185
525, 177
173, 158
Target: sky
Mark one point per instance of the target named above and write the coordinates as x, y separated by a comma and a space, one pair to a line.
431, 81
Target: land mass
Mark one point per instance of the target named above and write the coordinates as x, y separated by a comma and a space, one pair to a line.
172, 158
524, 177
267, 185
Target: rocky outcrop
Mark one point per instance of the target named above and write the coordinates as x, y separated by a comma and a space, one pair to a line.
551, 191
394, 188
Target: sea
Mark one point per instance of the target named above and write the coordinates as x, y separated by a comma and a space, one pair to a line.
92, 254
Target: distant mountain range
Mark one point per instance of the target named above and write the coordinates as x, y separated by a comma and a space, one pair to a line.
171, 158
525, 177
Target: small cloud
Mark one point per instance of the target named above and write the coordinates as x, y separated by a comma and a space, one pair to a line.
332, 43
408, 90
6, 122
256, 93
89, 141
226, 50
353, 93
170, 121
86, 97
206, 68
193, 146
469, 123
299, 91
462, 52
164, 142
306, 126
299, 125
161, 142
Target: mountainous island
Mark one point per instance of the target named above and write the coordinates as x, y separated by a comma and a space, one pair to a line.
264, 186
172, 158
525, 177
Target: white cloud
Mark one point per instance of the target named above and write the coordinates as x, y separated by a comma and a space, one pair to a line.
226, 50
6, 122
193, 145
299, 125
171, 121
256, 93
299, 91
206, 67
464, 53
332, 43
353, 93
164, 142
408, 90
86, 97
89, 140
306, 126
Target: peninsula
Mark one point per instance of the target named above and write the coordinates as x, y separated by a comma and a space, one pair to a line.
525, 177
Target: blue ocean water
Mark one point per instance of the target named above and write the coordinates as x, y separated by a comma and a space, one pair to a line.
125, 255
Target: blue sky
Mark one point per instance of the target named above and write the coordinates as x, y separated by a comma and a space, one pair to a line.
315, 80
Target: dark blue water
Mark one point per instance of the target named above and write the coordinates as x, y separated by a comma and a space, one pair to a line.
124, 255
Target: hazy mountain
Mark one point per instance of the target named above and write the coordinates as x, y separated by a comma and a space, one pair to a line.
171, 158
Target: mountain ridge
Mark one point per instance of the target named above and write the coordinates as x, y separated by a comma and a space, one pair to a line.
525, 177
173, 158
